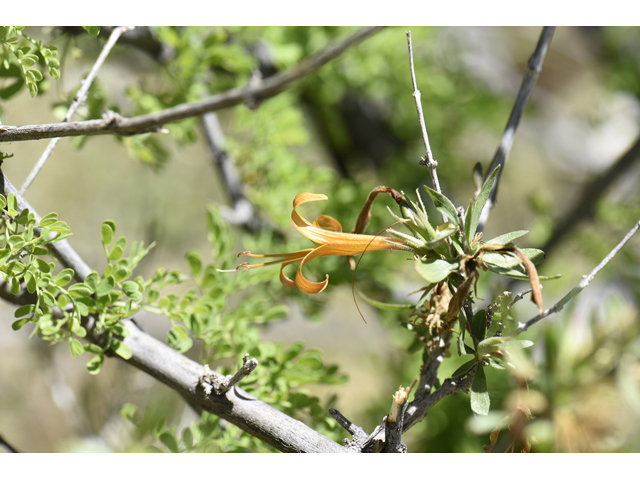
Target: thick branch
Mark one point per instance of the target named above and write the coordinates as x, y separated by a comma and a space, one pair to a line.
251, 93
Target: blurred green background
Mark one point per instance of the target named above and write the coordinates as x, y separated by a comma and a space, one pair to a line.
342, 131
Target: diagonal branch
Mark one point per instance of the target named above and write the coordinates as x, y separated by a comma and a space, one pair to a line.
184, 375
586, 280
528, 81
79, 99
429, 161
252, 93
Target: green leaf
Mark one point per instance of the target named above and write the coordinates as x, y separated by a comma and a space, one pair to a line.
105, 286
18, 324
80, 290
93, 31
116, 253
35, 73
107, 231
187, 437
513, 267
15, 286
47, 298
479, 325
28, 61
12, 205
490, 345
169, 442
91, 348
30, 281
465, 367
64, 277
195, 262
121, 349
508, 237
76, 347
480, 401
444, 205
434, 271
95, 364
24, 310
92, 280
63, 300
178, 337
479, 204
42, 265
33, 89
132, 290
393, 307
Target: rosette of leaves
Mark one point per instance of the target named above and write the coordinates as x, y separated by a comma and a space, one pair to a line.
450, 258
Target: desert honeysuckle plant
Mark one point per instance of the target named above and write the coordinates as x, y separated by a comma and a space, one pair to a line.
449, 256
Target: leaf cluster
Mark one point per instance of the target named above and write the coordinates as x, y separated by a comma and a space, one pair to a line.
20, 57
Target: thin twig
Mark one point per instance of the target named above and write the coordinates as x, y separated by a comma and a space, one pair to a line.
429, 161
79, 99
586, 280
114, 124
528, 81
359, 436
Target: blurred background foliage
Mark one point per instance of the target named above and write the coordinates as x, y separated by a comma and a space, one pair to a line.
342, 131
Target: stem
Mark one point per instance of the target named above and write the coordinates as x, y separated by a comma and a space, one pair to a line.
429, 161
79, 99
526, 87
586, 280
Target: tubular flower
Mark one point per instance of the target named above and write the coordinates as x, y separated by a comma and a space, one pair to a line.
326, 233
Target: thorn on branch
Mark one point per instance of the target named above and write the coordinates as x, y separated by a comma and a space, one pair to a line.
358, 436
213, 383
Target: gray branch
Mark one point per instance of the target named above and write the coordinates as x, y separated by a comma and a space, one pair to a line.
586, 280
428, 160
418, 409
252, 93
528, 82
242, 211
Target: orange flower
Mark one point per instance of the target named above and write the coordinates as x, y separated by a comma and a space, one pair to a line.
326, 233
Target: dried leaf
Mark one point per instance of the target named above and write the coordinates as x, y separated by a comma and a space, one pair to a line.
365, 213
536, 292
